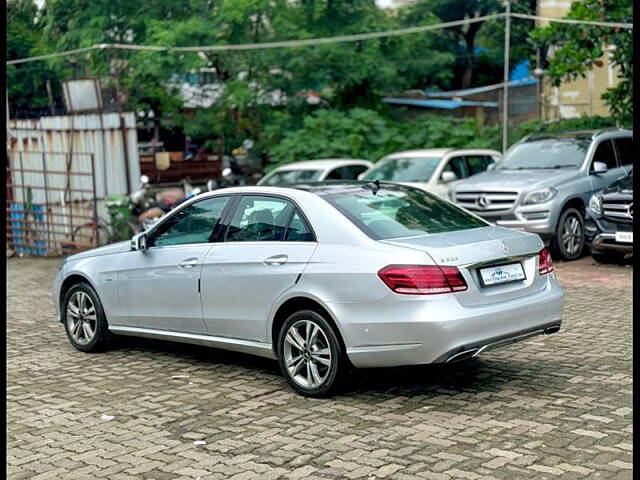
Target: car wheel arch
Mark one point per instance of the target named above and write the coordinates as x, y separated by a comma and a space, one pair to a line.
297, 303
70, 280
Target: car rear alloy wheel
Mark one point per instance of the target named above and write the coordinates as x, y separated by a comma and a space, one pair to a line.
310, 354
307, 354
84, 319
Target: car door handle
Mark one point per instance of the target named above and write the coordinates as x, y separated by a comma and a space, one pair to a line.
276, 260
192, 262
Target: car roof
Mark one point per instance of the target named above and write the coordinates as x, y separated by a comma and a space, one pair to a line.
437, 152
577, 134
323, 163
297, 189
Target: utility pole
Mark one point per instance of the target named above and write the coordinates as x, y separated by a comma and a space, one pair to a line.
505, 77
115, 62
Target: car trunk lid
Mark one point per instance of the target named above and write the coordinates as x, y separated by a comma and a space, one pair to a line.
475, 249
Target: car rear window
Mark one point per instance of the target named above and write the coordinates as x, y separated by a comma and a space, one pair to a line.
397, 211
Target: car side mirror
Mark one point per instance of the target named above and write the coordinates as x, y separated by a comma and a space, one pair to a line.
491, 166
448, 177
139, 242
599, 167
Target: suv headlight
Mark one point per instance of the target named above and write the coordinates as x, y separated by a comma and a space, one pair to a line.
595, 205
540, 196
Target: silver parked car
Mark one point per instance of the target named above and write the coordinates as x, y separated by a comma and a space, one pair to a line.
544, 183
321, 277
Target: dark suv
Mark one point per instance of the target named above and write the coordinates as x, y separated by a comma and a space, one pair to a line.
609, 223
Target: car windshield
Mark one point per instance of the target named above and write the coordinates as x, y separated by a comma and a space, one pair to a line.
546, 153
403, 169
282, 177
397, 211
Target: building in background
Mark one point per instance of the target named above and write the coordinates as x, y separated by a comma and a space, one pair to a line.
574, 99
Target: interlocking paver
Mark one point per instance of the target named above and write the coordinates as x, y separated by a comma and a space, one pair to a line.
552, 407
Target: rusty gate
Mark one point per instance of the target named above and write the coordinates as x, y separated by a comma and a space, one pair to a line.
51, 202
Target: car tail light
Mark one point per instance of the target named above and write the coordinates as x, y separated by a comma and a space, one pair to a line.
422, 279
545, 262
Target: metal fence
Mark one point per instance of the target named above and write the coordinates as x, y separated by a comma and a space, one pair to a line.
51, 202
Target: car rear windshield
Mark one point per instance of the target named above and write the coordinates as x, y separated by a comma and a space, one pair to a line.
546, 153
403, 169
397, 211
282, 177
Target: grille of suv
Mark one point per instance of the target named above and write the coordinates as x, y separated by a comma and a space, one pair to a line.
618, 211
488, 202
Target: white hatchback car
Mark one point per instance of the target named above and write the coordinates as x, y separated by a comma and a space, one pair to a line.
316, 171
435, 169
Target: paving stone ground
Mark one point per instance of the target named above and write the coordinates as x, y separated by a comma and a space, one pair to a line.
552, 407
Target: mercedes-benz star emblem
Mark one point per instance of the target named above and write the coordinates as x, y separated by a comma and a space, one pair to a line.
503, 247
630, 210
483, 201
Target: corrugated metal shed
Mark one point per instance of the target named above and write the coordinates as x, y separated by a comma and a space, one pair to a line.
81, 135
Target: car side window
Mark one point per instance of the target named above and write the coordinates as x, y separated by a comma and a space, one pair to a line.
477, 163
353, 171
458, 166
298, 230
259, 219
337, 174
192, 224
604, 153
624, 146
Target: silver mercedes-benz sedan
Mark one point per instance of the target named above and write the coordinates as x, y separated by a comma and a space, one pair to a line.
321, 277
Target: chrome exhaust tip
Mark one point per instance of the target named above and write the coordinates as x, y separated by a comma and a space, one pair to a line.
554, 329
465, 354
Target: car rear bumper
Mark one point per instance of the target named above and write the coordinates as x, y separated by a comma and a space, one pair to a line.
392, 333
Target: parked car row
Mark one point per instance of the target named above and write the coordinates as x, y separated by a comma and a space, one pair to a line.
545, 184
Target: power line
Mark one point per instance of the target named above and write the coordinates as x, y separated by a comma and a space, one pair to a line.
314, 41
628, 26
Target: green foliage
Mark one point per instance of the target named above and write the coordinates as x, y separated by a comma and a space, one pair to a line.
360, 133
579, 48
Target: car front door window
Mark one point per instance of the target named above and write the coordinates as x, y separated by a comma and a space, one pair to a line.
477, 163
604, 154
193, 224
458, 166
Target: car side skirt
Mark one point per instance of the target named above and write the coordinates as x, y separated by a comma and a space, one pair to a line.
245, 346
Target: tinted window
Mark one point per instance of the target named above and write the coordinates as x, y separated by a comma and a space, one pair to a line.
401, 212
192, 224
477, 163
282, 177
625, 150
337, 174
458, 166
403, 169
604, 153
259, 219
354, 170
298, 230
546, 153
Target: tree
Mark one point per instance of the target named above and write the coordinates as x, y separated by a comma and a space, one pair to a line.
573, 50
25, 82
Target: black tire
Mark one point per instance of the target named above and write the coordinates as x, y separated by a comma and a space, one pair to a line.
101, 338
331, 375
563, 249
